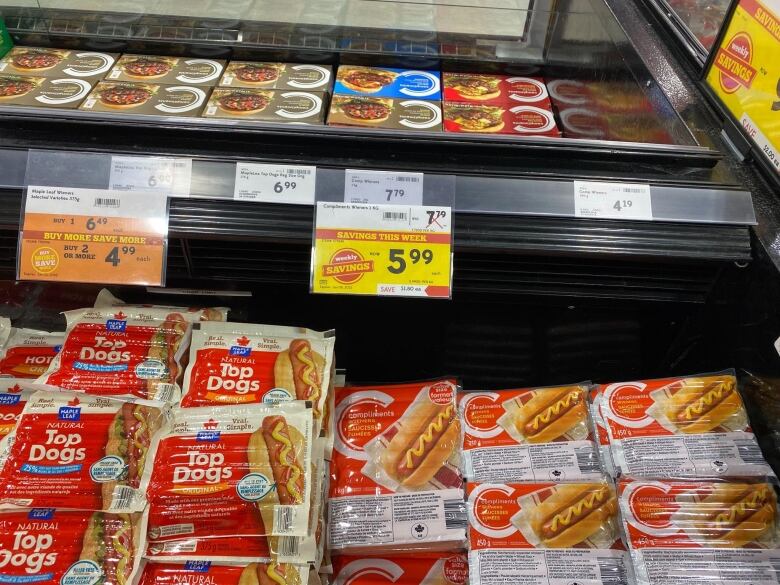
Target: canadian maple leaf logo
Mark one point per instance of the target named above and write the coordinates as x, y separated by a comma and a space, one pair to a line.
243, 340
74, 402
15, 389
210, 424
120, 315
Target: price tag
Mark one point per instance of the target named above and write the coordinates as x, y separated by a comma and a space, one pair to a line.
93, 235
171, 176
384, 250
383, 187
612, 200
275, 183
763, 143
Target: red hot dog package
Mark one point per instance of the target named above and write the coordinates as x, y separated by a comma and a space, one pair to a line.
680, 427
207, 573
229, 549
44, 545
544, 533
107, 300
232, 471
701, 531
28, 353
14, 394
77, 451
395, 480
242, 363
421, 569
126, 351
602, 434
540, 434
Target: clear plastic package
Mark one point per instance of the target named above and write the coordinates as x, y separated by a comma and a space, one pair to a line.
420, 569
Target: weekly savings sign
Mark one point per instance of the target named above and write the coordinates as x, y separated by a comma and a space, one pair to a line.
745, 73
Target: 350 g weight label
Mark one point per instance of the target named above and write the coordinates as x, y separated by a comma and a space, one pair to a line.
385, 250
93, 235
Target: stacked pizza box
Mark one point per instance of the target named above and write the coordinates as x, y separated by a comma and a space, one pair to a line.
497, 104
697, 500
117, 466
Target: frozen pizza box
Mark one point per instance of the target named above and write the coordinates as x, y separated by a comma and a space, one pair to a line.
386, 113
268, 75
525, 120
146, 98
20, 90
387, 82
56, 63
268, 105
489, 89
167, 70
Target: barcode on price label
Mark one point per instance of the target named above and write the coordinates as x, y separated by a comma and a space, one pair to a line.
603, 200
106, 202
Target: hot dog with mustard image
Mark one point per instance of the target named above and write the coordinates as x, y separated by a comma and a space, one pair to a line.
550, 414
164, 347
277, 446
111, 541
269, 574
574, 513
732, 515
428, 435
699, 405
300, 370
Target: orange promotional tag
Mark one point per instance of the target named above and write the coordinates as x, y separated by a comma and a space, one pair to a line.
93, 235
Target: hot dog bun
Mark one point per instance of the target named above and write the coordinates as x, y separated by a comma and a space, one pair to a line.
735, 514
259, 459
284, 373
432, 427
269, 574
575, 512
702, 404
551, 413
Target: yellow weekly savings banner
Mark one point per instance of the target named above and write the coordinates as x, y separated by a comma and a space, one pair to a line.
746, 73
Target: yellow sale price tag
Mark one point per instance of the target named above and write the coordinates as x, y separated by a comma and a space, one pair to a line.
384, 250
93, 235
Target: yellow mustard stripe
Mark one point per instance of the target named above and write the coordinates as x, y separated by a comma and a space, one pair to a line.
142, 449
564, 519
750, 504
276, 433
308, 374
123, 552
715, 395
435, 426
546, 415
275, 577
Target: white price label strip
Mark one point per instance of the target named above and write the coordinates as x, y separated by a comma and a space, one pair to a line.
763, 143
148, 173
275, 183
383, 187
612, 200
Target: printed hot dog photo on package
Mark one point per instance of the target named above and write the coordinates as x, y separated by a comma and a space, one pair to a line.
693, 426
395, 479
77, 451
534, 434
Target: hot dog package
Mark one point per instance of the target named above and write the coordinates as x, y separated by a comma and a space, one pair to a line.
701, 532
545, 533
14, 394
602, 434
232, 471
130, 352
395, 479
420, 569
27, 352
540, 434
76, 451
243, 363
680, 427
44, 545
106, 300
228, 550
207, 573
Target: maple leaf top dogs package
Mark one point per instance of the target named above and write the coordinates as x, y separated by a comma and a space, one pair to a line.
77, 451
